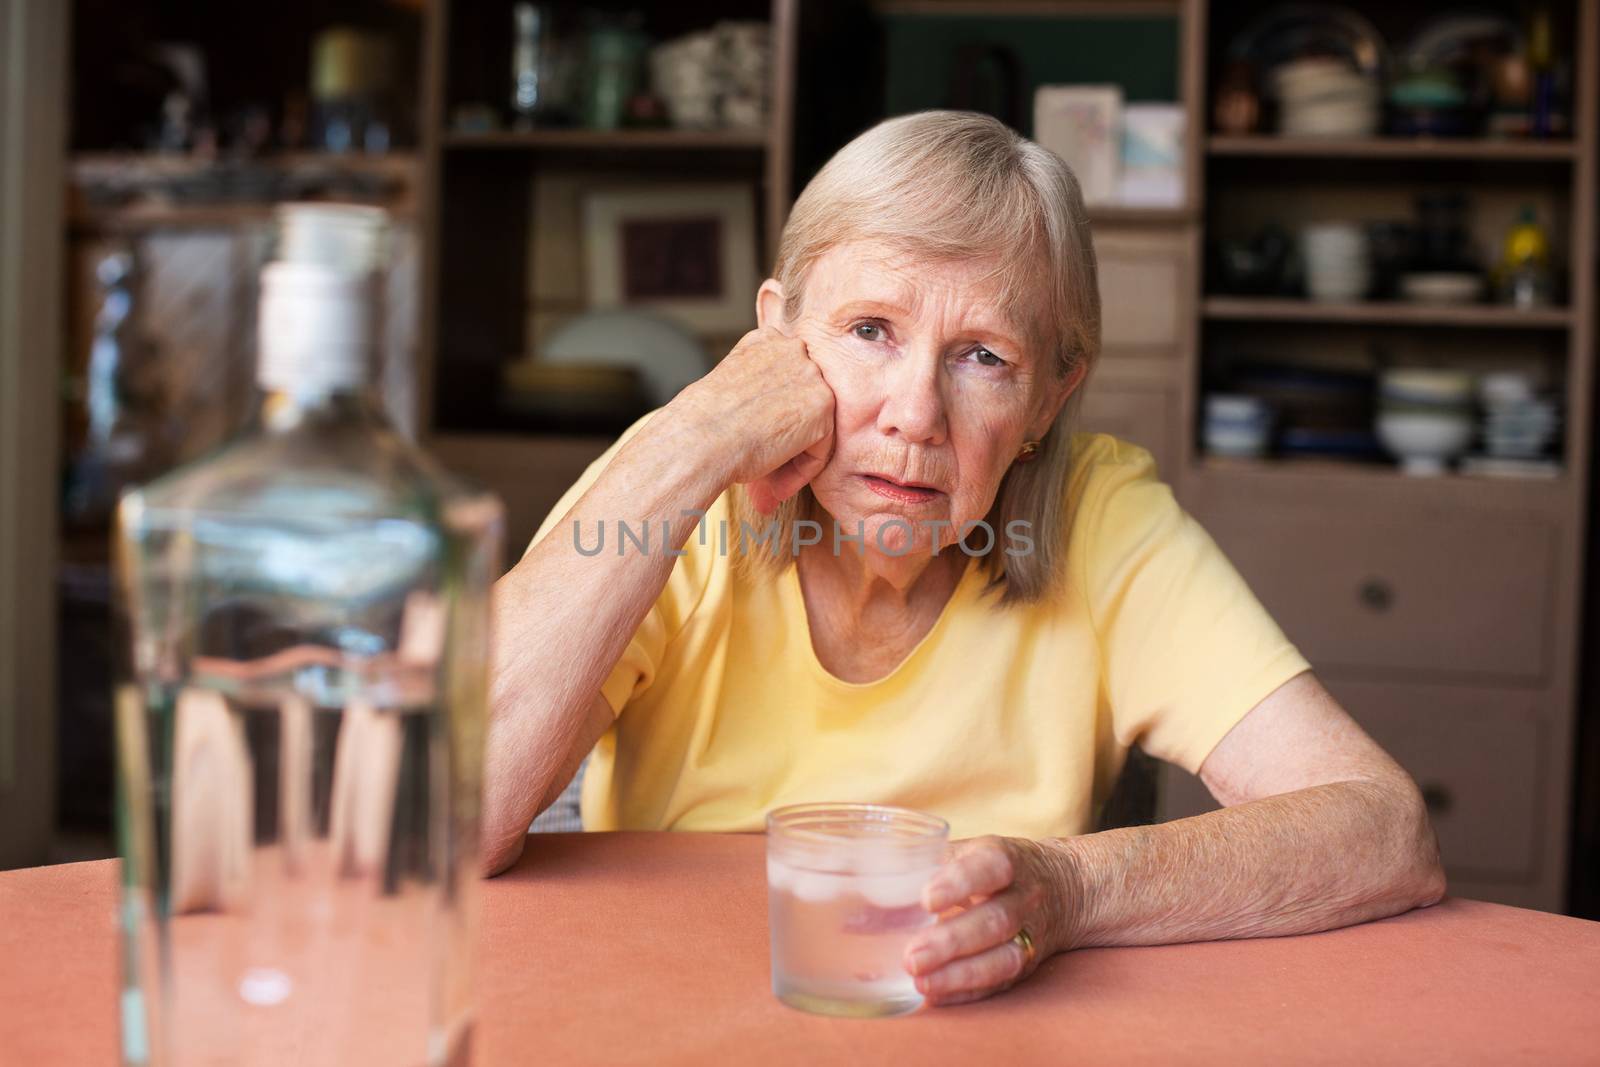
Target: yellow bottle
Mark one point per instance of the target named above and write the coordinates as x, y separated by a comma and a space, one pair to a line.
1524, 271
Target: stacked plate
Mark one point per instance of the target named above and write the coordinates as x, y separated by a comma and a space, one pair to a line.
1325, 97
1517, 424
1425, 417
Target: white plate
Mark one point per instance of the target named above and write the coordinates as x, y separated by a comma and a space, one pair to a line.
1442, 287
667, 355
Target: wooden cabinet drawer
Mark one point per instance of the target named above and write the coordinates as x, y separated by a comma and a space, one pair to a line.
1144, 417
1145, 289
1476, 754
1468, 595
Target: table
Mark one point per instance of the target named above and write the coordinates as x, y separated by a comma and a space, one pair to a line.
639, 948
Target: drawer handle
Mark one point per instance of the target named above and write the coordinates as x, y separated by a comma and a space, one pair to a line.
1436, 798
1377, 594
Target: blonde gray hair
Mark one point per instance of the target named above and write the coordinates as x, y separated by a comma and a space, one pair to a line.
959, 185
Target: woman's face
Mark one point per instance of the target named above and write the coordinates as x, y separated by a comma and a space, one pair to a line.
934, 393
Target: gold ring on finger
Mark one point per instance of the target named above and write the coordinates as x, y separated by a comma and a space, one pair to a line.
1024, 941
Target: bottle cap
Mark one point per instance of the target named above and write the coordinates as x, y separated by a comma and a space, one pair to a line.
315, 328
347, 237
315, 325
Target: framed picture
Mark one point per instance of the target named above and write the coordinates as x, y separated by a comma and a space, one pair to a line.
686, 250
1152, 155
1083, 125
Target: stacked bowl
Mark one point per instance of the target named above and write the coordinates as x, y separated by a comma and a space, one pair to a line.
1425, 417
1325, 97
1517, 424
1237, 426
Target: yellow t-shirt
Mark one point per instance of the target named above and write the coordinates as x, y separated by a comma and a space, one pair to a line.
1011, 721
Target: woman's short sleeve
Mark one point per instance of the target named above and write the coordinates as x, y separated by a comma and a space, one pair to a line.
637, 667
1186, 649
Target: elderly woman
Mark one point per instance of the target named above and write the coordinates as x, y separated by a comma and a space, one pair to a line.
963, 608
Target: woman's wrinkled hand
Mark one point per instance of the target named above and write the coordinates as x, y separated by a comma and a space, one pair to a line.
988, 889
769, 411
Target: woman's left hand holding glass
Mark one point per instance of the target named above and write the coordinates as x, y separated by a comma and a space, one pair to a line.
988, 890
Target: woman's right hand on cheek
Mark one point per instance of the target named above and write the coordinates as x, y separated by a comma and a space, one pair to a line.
769, 408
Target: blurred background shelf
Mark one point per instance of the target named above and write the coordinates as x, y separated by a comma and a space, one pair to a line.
1441, 148
1131, 215
1447, 612
607, 139
1379, 486
1292, 309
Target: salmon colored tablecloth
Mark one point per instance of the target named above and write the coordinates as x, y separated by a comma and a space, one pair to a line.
652, 949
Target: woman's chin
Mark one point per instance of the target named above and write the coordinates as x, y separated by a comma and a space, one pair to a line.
892, 530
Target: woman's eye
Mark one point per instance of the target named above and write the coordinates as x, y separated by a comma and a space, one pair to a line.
875, 334
987, 358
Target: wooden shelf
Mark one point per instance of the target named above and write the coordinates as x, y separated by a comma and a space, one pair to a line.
1034, 8
152, 216
1125, 214
607, 139
1318, 482
1376, 313
1464, 148
123, 166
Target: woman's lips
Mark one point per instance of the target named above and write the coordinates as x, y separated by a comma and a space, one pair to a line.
898, 491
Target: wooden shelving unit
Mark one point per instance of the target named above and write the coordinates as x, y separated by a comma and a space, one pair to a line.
1444, 612
1382, 313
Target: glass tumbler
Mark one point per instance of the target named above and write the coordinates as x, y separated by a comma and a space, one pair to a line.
844, 896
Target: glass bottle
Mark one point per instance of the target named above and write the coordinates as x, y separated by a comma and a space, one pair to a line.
1524, 275
300, 714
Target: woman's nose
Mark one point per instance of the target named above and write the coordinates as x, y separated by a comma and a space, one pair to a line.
913, 403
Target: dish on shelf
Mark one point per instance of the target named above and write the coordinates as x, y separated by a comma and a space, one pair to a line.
1517, 424
1324, 97
1237, 425
1451, 39
534, 387
1425, 387
1424, 441
1441, 287
1295, 30
665, 355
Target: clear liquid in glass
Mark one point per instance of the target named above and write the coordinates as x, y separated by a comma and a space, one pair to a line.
844, 897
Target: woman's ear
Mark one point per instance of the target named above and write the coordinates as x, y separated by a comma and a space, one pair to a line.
1064, 390
769, 306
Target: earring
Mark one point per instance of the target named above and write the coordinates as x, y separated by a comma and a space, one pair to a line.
1029, 450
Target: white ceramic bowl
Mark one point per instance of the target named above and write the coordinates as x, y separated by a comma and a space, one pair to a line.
1234, 408
1505, 388
1427, 385
1424, 442
1441, 287
1242, 441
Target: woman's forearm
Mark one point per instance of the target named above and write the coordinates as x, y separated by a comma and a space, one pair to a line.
562, 619
1314, 859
